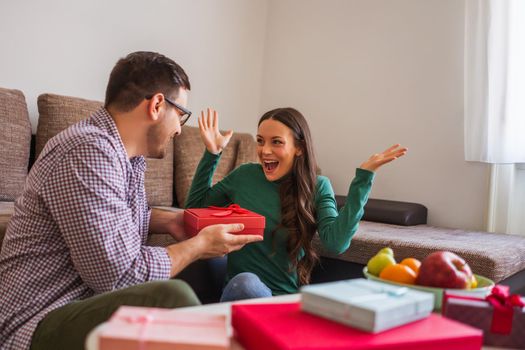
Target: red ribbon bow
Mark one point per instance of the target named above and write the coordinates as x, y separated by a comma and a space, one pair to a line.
502, 302
229, 210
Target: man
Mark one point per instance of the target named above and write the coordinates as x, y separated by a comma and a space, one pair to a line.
74, 250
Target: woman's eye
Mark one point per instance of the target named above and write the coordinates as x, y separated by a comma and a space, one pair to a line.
260, 142
277, 142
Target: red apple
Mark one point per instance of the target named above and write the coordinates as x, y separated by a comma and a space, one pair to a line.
445, 270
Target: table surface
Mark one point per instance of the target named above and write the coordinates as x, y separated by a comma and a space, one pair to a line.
223, 309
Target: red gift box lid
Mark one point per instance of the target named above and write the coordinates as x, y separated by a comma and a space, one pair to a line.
202, 217
285, 326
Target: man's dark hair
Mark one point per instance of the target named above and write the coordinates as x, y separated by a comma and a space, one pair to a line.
140, 74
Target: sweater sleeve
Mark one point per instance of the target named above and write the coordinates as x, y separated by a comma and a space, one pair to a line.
202, 193
337, 229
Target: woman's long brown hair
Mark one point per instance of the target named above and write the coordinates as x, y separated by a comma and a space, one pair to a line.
297, 192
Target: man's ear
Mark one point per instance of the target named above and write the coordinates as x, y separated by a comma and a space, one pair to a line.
154, 106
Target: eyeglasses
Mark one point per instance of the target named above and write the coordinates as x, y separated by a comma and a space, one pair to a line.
186, 114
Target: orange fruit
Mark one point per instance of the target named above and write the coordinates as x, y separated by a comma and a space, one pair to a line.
399, 273
413, 263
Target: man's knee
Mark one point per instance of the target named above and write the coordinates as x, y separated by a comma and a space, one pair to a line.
172, 293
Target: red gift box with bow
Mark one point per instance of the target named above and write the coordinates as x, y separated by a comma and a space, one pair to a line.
195, 219
500, 315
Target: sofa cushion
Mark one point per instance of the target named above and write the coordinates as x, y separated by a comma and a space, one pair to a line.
189, 149
493, 255
391, 212
15, 141
59, 112
159, 179
6, 210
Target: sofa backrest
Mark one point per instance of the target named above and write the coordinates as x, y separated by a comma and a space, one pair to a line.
188, 150
59, 112
15, 141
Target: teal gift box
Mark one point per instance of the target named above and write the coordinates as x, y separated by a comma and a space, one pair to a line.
367, 305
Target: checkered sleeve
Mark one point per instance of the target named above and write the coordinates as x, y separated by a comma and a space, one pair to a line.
92, 209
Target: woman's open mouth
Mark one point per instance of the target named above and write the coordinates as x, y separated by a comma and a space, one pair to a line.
270, 166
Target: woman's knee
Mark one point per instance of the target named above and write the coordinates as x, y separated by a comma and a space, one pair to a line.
245, 285
246, 278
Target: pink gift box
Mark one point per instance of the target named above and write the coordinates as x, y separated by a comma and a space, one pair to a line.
143, 328
195, 219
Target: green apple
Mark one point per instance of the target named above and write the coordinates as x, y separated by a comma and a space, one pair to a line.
386, 251
379, 262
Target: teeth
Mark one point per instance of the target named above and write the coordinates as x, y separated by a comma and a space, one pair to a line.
270, 164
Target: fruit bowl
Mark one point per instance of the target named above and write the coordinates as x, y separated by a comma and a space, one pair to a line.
484, 287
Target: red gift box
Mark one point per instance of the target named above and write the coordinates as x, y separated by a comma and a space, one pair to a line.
285, 326
196, 219
500, 316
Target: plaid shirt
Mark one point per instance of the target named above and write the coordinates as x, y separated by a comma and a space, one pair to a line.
79, 229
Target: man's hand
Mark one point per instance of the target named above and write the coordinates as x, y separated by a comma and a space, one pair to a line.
209, 128
217, 240
379, 159
212, 241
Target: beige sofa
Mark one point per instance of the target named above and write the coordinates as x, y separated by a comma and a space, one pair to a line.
496, 256
167, 180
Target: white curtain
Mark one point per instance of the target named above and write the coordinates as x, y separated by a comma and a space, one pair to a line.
495, 81
495, 105
507, 199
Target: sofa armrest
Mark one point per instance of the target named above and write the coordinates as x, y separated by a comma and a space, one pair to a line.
391, 212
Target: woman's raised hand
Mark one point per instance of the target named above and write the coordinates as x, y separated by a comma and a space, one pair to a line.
209, 127
379, 159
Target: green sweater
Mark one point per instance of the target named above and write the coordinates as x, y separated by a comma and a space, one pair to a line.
248, 187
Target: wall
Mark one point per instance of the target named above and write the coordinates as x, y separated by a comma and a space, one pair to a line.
69, 47
369, 74
366, 73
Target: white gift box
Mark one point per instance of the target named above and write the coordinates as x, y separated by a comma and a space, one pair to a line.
367, 305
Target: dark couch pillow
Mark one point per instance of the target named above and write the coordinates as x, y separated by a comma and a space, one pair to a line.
15, 141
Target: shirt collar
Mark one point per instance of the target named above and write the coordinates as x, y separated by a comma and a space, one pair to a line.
103, 119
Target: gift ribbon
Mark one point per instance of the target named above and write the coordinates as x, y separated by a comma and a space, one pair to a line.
502, 302
149, 318
229, 210
377, 293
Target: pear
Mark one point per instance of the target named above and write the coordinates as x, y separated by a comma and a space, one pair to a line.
384, 258
386, 250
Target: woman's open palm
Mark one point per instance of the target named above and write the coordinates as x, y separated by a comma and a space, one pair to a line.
388, 155
211, 136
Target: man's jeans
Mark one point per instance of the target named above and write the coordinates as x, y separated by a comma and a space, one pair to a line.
245, 285
68, 326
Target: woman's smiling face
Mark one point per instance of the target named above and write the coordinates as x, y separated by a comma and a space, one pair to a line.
276, 149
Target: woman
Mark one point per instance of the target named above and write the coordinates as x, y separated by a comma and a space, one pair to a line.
285, 188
